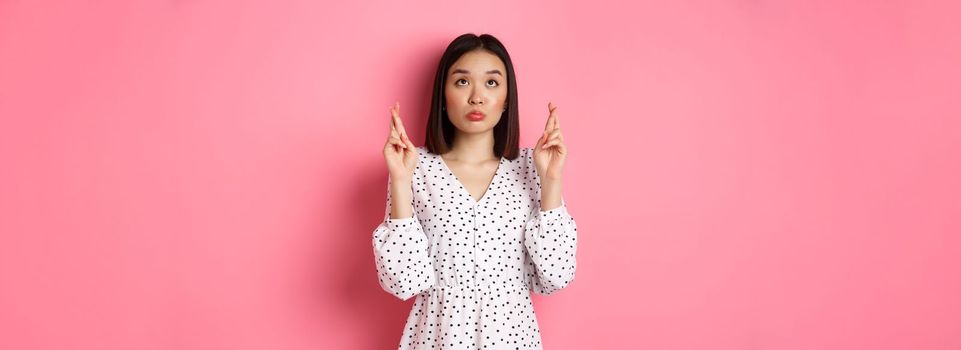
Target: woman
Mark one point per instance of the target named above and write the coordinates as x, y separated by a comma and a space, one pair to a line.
473, 224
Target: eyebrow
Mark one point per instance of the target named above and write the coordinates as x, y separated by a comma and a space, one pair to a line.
459, 70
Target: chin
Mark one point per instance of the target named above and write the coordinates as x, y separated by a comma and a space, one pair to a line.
475, 127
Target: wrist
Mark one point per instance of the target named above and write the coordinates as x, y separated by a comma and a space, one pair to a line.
401, 180
548, 185
550, 195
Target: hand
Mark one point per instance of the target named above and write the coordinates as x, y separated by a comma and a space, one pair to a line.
550, 151
399, 152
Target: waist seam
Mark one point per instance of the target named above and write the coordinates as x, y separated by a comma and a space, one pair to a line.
480, 286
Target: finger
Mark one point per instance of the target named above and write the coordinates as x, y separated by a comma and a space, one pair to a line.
399, 123
554, 132
397, 133
557, 121
550, 109
392, 119
552, 143
554, 139
393, 147
410, 145
399, 126
552, 117
394, 116
397, 141
560, 147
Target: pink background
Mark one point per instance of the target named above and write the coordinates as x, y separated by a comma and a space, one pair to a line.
745, 174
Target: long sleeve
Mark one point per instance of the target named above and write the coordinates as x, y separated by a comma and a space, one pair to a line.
401, 254
551, 241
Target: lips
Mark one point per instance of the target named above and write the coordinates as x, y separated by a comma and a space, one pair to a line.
475, 115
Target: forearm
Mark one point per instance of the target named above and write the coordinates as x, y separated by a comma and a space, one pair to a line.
550, 194
401, 193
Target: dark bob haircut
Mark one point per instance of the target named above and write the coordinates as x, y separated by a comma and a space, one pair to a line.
440, 130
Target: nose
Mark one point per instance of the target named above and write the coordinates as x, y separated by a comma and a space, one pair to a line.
475, 99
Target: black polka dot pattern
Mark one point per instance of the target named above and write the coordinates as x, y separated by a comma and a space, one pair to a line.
472, 264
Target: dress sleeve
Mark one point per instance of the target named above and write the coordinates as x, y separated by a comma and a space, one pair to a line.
401, 254
551, 241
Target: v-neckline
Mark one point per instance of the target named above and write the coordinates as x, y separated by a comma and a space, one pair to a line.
487, 191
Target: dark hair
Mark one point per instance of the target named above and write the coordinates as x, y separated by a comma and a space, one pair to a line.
440, 130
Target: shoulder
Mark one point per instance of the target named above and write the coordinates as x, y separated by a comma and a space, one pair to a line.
423, 153
424, 158
526, 154
525, 159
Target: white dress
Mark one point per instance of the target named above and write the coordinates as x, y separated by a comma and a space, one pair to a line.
473, 264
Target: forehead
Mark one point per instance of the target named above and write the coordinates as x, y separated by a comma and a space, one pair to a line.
478, 62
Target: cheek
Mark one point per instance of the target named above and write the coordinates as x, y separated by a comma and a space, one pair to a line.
452, 96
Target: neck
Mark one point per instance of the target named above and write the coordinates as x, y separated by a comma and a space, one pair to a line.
473, 148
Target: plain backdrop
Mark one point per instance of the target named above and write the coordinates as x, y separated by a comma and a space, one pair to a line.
745, 174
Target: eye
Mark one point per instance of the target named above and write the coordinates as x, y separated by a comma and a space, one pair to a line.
496, 83
460, 80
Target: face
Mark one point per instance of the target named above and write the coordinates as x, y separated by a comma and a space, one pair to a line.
476, 91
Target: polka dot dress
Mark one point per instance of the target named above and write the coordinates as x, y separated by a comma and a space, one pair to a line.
473, 264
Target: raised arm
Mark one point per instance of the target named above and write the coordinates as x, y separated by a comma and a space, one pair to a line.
401, 249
